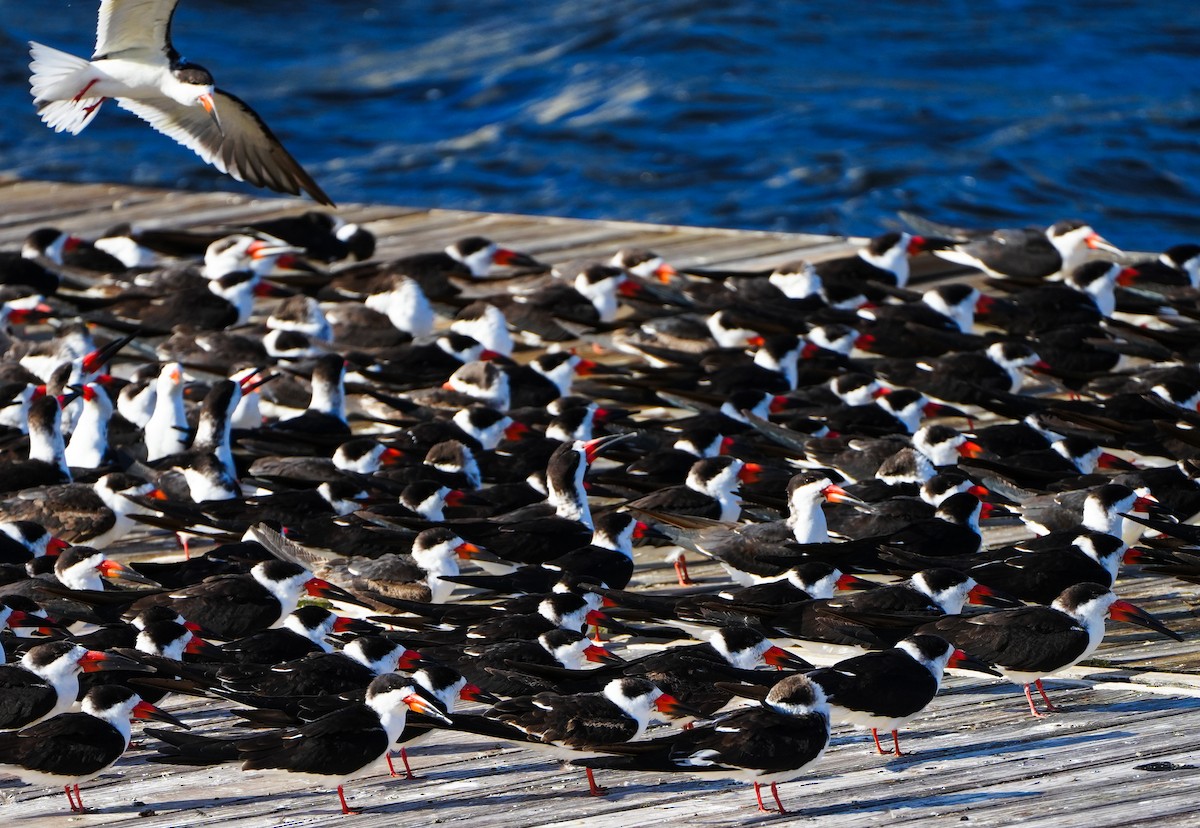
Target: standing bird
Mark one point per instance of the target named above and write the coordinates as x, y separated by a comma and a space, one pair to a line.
136, 65
74, 747
766, 744
346, 743
886, 689
1028, 644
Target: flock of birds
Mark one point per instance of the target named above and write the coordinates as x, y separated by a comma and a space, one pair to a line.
421, 444
353, 432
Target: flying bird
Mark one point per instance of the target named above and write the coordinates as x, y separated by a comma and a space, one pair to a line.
136, 65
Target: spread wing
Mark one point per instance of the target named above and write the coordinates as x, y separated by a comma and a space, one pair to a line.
134, 25
243, 146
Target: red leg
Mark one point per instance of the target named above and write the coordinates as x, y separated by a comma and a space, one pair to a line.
346, 809
70, 800
408, 774
896, 742
878, 747
681, 571
758, 796
1032, 709
79, 799
594, 789
1049, 705
83, 91
90, 109
775, 793
391, 767
596, 637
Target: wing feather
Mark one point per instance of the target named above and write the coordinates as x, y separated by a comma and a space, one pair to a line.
134, 25
243, 146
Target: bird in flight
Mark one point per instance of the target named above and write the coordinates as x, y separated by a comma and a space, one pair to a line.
135, 64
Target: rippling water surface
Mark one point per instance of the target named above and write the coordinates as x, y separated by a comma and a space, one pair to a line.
775, 115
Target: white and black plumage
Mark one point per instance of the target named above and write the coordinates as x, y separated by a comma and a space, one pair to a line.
232, 606
70, 748
1028, 254
95, 514
46, 681
351, 668
304, 631
1027, 644
766, 744
351, 741
581, 722
24, 539
135, 64
886, 689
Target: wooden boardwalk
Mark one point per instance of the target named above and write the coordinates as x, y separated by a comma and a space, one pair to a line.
1121, 753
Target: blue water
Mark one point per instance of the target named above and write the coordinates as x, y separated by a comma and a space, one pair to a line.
798, 116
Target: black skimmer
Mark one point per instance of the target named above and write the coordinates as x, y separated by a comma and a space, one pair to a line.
324, 236
607, 560
883, 258
358, 456
38, 263
1028, 644
135, 64
46, 681
471, 258
70, 748
1085, 297
87, 447
557, 310
871, 619
491, 665
167, 430
326, 411
84, 568
525, 617
446, 687
766, 744
1100, 509
233, 606
1028, 254
689, 673
46, 463
885, 690
1037, 570
404, 306
1178, 265
539, 533
351, 668
22, 540
487, 325
740, 548
97, 514
964, 377
421, 576
305, 630
709, 491
571, 724
349, 742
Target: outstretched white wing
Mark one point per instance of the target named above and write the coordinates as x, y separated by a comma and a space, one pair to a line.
134, 25
243, 146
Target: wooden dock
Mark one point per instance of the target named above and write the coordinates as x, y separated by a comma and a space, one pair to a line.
1122, 753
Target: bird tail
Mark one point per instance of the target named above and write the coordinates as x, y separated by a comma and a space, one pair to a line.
58, 82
